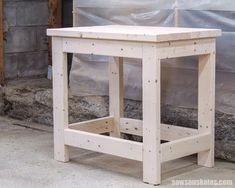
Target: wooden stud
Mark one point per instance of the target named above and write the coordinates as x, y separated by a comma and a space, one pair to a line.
1, 44
185, 146
54, 20
151, 115
104, 144
55, 13
101, 47
116, 91
206, 103
60, 99
134, 49
100, 125
168, 132
131, 126
184, 48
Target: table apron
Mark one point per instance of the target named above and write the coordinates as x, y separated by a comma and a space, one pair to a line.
130, 49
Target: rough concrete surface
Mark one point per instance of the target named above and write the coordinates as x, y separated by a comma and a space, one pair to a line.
31, 100
25, 40
26, 161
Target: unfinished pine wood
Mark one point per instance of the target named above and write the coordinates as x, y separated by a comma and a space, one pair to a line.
184, 48
1, 44
134, 49
116, 91
100, 125
104, 144
101, 47
131, 126
60, 99
135, 33
185, 146
168, 132
206, 103
151, 44
151, 115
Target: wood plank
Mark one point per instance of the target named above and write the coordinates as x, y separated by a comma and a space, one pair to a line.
60, 99
134, 50
151, 115
116, 92
104, 144
135, 33
206, 103
168, 132
185, 146
185, 48
54, 20
131, 126
55, 13
100, 125
1, 44
103, 47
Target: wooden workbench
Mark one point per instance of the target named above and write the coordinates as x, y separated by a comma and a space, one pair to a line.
151, 44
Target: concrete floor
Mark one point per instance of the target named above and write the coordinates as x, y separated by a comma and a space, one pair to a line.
26, 161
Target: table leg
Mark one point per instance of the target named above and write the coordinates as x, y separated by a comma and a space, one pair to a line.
116, 92
60, 99
206, 104
151, 115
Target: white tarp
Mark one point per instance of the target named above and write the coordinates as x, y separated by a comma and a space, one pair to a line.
179, 76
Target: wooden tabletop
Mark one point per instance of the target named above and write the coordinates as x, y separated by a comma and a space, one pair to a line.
135, 33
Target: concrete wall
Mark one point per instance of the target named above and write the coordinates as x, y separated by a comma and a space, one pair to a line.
26, 50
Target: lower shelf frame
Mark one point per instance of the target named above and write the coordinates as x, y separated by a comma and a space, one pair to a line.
181, 141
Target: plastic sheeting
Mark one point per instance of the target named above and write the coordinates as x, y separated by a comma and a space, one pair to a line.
89, 74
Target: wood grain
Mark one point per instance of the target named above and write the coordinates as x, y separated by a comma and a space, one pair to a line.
136, 33
54, 21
